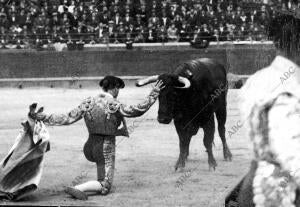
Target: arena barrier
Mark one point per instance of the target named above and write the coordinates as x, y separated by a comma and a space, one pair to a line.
234, 82
81, 69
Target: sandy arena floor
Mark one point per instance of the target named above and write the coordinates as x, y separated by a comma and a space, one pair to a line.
144, 163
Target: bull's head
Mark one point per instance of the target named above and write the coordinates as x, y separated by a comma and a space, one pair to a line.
168, 95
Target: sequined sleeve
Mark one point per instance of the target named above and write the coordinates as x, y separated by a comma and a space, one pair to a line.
141, 108
71, 117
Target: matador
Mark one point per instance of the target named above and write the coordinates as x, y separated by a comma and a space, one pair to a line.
103, 115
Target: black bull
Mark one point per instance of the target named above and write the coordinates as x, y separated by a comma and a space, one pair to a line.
193, 93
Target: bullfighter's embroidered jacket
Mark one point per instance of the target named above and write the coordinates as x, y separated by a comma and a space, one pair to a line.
103, 114
281, 76
273, 178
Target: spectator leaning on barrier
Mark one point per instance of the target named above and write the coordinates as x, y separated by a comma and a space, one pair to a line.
128, 41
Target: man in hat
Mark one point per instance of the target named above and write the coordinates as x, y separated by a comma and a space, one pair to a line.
270, 106
103, 116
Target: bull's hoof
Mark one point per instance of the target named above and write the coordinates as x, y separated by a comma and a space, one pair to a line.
212, 164
227, 155
179, 165
179, 168
212, 168
186, 158
228, 159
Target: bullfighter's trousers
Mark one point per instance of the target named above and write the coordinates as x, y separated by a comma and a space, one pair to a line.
101, 150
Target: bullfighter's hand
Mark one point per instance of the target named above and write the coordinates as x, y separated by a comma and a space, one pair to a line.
122, 132
36, 115
159, 85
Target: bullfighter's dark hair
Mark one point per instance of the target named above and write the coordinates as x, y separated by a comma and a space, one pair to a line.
111, 82
284, 30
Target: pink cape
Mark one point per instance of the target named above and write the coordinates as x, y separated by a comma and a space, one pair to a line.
21, 169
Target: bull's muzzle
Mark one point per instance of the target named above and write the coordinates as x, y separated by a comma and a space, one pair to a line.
164, 120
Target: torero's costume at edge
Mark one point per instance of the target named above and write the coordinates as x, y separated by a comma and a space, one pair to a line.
271, 105
103, 115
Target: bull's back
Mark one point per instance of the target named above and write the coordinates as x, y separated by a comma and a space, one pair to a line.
205, 69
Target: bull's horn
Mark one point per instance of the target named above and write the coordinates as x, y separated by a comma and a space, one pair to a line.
185, 81
147, 80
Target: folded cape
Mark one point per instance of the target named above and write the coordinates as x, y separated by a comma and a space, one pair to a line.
21, 169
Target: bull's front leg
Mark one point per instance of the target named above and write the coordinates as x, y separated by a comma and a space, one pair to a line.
181, 159
209, 131
184, 141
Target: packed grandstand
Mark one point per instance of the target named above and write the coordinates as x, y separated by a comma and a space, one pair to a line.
42, 22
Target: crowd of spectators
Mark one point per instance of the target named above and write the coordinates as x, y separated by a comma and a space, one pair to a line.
40, 22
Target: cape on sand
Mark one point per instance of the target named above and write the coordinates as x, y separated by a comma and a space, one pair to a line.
21, 169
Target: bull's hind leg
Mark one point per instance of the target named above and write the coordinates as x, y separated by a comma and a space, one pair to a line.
209, 131
221, 115
188, 147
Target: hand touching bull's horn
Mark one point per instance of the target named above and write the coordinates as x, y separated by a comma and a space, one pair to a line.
159, 86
